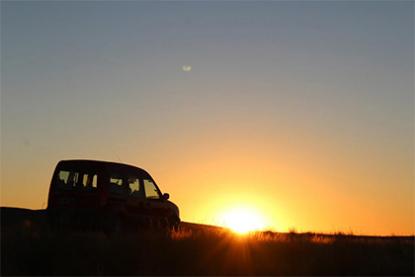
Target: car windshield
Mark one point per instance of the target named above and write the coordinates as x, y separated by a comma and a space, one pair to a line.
151, 190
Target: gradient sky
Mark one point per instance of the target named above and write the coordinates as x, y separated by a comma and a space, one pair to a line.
301, 110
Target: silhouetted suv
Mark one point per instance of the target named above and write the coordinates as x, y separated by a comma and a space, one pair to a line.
109, 196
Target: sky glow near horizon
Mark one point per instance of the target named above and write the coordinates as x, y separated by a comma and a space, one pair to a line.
303, 110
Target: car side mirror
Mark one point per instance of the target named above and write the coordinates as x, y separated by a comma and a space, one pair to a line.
166, 196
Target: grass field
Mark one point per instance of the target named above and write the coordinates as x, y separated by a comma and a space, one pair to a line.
28, 248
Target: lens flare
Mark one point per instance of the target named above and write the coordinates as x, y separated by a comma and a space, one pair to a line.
186, 68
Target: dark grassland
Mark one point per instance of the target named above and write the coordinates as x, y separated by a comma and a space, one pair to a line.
29, 248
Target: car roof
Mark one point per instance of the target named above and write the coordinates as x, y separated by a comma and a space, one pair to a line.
103, 165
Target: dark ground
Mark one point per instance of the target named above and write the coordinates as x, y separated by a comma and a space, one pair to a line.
29, 248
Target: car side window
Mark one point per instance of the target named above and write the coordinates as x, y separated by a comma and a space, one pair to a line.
134, 185
89, 181
62, 178
116, 181
73, 178
150, 189
66, 179
117, 186
76, 180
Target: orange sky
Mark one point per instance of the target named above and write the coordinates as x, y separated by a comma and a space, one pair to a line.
302, 111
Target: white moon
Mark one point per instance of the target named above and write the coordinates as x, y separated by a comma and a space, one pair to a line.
186, 68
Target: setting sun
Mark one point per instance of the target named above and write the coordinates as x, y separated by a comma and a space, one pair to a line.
242, 220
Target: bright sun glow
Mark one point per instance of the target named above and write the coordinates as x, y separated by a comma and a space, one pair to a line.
242, 220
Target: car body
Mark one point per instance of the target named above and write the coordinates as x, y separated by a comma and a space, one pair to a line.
107, 195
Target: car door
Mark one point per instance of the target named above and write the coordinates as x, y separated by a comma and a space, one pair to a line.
135, 203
